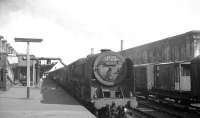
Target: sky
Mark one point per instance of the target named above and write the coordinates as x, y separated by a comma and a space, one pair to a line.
70, 28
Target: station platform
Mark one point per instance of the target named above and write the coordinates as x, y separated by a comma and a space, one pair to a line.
49, 101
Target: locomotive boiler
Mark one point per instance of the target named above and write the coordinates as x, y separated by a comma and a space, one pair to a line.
99, 79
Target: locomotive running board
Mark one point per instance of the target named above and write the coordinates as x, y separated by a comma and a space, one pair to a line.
99, 103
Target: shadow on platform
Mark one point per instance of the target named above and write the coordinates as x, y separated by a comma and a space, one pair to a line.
54, 94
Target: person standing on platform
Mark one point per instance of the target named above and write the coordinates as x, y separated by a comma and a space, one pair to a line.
40, 82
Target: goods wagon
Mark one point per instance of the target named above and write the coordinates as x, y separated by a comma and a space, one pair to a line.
99, 79
173, 80
179, 81
144, 78
168, 68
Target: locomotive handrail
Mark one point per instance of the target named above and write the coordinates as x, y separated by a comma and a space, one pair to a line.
122, 92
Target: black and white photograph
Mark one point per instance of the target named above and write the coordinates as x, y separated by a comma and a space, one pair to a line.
99, 59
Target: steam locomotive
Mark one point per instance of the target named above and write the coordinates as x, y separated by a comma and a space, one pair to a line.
99, 79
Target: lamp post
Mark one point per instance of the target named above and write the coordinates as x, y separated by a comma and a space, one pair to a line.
28, 40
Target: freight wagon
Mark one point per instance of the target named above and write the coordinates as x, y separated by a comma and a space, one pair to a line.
166, 80
168, 68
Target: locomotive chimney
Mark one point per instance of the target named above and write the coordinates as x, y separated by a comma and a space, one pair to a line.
105, 50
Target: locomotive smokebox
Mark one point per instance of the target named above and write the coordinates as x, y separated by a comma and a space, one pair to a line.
109, 68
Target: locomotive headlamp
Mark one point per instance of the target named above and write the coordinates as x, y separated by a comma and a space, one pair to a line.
125, 109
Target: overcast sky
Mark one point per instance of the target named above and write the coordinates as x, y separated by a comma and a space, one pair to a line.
70, 28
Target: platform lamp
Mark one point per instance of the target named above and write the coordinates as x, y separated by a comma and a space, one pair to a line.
28, 40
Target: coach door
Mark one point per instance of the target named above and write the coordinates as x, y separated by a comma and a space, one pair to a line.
185, 79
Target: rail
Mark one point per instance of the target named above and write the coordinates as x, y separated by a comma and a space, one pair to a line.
166, 108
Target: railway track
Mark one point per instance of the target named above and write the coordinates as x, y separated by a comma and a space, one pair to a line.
152, 109
155, 112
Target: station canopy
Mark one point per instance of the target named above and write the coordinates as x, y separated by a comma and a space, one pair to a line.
12, 59
57, 66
